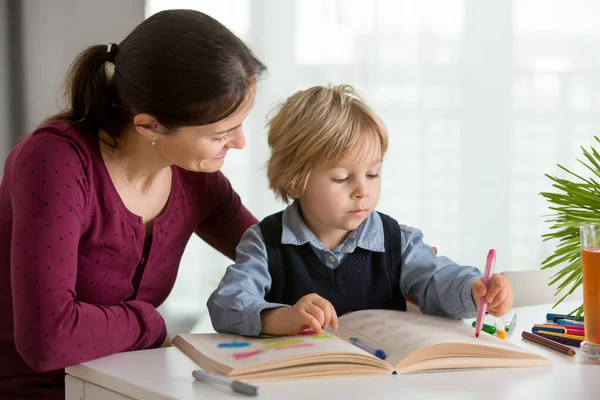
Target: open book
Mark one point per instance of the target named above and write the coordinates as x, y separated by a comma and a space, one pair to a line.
412, 343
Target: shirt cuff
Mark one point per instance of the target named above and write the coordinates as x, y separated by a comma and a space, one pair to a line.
154, 329
466, 297
253, 315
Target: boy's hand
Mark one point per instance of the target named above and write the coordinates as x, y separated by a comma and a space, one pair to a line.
499, 297
311, 311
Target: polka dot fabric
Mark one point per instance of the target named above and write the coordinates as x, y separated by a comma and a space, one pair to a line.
70, 249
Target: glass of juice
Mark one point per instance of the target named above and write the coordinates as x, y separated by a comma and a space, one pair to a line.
590, 265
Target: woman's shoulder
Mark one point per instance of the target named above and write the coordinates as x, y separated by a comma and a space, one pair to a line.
206, 190
55, 158
62, 140
202, 180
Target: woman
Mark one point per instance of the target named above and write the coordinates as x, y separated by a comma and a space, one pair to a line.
97, 204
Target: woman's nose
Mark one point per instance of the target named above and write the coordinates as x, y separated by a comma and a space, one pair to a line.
238, 140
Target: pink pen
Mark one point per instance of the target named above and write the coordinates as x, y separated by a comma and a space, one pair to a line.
487, 276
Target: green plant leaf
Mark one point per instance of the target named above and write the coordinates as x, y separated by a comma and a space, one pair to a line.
575, 201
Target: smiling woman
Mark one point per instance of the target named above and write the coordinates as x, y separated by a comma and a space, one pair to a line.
199, 148
98, 203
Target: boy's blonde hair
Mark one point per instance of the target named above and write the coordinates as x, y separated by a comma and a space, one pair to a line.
318, 126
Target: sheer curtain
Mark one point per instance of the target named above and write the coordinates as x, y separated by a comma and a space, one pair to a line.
481, 98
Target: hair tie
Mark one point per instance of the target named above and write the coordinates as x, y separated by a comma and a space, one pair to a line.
111, 50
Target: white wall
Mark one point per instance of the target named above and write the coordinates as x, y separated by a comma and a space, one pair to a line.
54, 32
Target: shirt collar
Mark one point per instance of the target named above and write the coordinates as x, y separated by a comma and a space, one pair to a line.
368, 236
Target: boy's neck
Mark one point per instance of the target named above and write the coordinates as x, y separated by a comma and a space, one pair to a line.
331, 240
330, 237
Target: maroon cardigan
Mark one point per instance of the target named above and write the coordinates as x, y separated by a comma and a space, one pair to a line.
69, 249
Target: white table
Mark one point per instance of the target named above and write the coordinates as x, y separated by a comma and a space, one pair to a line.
167, 374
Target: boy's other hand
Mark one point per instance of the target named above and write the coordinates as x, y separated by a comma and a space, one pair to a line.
499, 297
315, 312
311, 311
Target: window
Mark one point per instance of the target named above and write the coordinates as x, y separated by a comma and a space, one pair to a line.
481, 99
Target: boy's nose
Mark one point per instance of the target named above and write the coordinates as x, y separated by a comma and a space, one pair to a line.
361, 191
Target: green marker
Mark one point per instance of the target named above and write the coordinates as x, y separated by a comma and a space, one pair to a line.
486, 328
510, 325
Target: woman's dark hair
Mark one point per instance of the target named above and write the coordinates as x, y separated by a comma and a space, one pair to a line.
180, 66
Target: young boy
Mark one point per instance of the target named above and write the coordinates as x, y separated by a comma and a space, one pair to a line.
329, 253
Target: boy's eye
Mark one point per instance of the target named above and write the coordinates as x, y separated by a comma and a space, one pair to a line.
340, 180
373, 176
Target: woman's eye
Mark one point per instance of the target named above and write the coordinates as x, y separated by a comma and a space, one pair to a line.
222, 138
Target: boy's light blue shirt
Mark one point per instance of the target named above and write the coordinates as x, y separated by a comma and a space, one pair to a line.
440, 286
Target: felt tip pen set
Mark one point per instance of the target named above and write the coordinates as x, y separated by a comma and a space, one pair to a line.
560, 332
500, 328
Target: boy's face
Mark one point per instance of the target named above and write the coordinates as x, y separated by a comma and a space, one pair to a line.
338, 199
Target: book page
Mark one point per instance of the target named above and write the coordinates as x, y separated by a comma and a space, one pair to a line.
241, 353
401, 333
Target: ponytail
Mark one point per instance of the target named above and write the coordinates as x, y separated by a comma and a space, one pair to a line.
90, 92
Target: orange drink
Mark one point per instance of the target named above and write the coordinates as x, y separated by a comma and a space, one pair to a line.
590, 265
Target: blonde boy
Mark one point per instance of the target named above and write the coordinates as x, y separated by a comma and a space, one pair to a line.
330, 252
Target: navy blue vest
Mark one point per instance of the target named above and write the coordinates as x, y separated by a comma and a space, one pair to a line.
364, 280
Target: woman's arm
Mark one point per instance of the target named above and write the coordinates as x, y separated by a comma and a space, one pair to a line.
49, 198
228, 218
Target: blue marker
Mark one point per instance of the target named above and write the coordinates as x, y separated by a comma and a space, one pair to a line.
368, 348
543, 329
569, 322
554, 317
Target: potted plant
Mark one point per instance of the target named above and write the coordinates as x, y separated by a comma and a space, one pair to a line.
576, 202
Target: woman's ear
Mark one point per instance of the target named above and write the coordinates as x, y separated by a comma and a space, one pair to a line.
146, 125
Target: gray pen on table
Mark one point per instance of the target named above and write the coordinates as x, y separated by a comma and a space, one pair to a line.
236, 386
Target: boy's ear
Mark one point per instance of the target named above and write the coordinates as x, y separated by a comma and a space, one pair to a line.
297, 190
